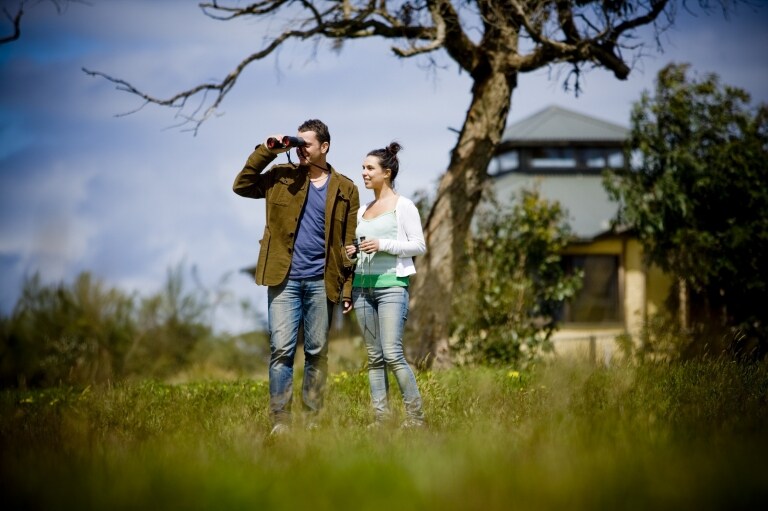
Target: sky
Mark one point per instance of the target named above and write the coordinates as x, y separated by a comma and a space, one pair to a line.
129, 197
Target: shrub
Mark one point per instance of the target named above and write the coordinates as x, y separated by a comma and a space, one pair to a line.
506, 308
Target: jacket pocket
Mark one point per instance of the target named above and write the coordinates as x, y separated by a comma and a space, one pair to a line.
280, 194
341, 207
347, 263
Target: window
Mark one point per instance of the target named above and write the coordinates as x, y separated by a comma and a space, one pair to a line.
615, 159
504, 163
601, 158
595, 158
598, 299
553, 157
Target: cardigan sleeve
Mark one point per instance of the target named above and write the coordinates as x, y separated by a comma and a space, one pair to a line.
410, 240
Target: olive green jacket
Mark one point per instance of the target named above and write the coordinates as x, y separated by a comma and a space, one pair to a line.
285, 188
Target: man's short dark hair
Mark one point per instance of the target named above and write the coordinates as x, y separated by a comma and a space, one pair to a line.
320, 129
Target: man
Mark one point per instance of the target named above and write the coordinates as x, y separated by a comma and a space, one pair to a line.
311, 216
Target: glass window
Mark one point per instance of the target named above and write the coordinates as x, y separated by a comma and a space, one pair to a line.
595, 158
493, 166
553, 157
504, 162
598, 299
615, 159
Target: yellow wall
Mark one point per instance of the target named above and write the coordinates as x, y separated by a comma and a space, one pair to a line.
612, 246
634, 288
642, 292
659, 284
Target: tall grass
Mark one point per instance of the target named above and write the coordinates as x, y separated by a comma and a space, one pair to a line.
565, 436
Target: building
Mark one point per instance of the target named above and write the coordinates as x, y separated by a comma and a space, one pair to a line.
563, 153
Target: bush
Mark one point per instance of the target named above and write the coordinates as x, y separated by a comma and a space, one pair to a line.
514, 284
87, 333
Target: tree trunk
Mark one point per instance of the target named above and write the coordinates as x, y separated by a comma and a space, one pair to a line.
448, 224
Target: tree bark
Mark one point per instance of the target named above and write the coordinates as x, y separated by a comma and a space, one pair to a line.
448, 224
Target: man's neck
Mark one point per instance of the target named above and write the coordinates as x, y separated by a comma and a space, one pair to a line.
315, 170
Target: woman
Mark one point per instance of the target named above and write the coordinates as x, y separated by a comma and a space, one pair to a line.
390, 234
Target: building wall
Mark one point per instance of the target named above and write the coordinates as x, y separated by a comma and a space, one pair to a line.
635, 288
643, 291
583, 196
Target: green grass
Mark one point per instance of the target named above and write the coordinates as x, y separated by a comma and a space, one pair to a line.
567, 436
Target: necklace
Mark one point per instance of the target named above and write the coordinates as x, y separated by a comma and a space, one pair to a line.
321, 178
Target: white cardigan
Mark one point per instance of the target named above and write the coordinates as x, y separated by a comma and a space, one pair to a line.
410, 236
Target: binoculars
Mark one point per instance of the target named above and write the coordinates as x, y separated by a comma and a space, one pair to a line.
356, 243
287, 141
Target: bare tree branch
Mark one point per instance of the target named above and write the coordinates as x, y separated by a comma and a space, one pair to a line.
436, 42
457, 43
562, 32
601, 47
16, 22
565, 17
16, 19
340, 21
256, 9
222, 88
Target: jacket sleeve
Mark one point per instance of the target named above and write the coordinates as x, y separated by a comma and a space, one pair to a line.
349, 236
251, 181
410, 224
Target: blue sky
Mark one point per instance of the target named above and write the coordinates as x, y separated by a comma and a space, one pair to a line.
127, 198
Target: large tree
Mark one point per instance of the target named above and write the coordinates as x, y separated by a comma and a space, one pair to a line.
698, 200
493, 41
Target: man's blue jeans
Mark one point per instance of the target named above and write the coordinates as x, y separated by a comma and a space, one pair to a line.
292, 305
381, 314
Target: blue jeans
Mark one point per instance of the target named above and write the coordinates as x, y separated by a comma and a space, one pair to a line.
291, 305
381, 314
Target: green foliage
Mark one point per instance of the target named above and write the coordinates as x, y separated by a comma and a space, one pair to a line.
565, 436
171, 323
661, 338
513, 283
699, 198
87, 333
66, 334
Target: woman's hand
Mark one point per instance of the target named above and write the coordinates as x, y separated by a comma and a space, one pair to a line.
369, 246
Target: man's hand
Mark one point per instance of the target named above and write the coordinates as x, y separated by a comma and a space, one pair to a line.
347, 306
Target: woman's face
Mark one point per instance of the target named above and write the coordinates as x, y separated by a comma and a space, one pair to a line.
374, 176
313, 152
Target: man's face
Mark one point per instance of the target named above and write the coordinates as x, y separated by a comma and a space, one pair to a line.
314, 151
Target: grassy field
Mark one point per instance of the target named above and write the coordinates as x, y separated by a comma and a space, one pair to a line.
565, 436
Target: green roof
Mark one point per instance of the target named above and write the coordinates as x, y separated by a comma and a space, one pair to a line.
559, 124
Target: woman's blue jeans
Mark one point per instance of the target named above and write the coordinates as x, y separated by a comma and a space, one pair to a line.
381, 314
292, 305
